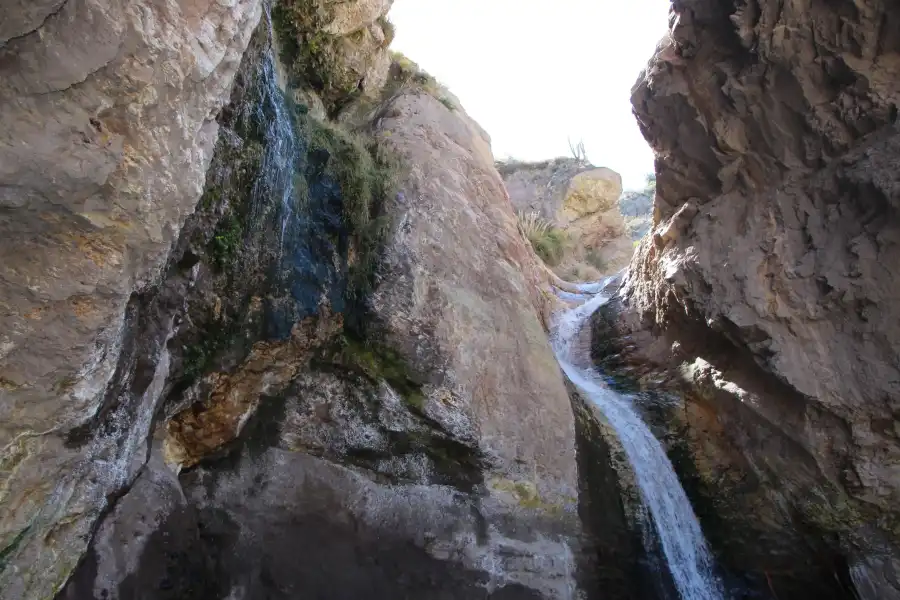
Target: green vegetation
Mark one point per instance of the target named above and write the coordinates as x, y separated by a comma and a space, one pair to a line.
377, 362
594, 258
213, 339
527, 495
447, 102
227, 241
548, 241
407, 74
239, 168
550, 246
389, 31
313, 57
367, 174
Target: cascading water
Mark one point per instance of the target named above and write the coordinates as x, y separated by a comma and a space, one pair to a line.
293, 211
670, 511
282, 148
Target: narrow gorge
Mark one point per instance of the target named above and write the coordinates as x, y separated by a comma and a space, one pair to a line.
276, 324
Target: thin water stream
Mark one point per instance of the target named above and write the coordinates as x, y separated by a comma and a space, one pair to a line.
667, 506
282, 148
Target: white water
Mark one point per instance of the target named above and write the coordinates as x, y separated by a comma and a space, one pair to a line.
276, 179
673, 519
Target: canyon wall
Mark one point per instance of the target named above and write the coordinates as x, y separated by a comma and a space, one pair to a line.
256, 342
107, 129
765, 299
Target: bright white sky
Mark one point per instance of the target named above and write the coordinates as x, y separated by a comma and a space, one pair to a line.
534, 73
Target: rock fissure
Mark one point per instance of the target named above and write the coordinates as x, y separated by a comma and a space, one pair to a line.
53, 13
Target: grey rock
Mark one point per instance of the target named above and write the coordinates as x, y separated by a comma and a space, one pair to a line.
107, 129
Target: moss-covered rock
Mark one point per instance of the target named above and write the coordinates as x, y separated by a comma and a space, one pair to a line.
339, 53
367, 174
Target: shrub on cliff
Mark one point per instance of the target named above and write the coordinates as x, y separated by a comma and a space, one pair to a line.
405, 73
367, 174
549, 242
339, 66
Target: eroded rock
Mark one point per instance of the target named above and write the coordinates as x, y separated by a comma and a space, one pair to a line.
581, 201
769, 287
107, 131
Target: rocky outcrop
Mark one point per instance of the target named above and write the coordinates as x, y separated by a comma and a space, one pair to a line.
107, 129
350, 368
581, 201
765, 297
637, 209
335, 52
484, 309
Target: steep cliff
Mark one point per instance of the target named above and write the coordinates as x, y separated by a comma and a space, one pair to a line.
580, 202
766, 297
309, 373
107, 129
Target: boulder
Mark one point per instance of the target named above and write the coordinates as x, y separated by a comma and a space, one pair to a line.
580, 201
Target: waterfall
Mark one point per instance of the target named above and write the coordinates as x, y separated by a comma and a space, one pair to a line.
270, 119
670, 511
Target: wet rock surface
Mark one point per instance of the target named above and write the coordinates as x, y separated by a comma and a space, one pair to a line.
420, 452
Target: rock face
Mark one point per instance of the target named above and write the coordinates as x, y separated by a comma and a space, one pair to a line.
335, 51
350, 369
579, 199
483, 308
106, 133
766, 297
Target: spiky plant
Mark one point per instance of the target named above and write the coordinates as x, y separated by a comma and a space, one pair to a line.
548, 241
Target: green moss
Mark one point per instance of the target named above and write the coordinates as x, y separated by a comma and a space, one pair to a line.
227, 241
313, 57
212, 340
212, 197
828, 509
367, 174
378, 362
